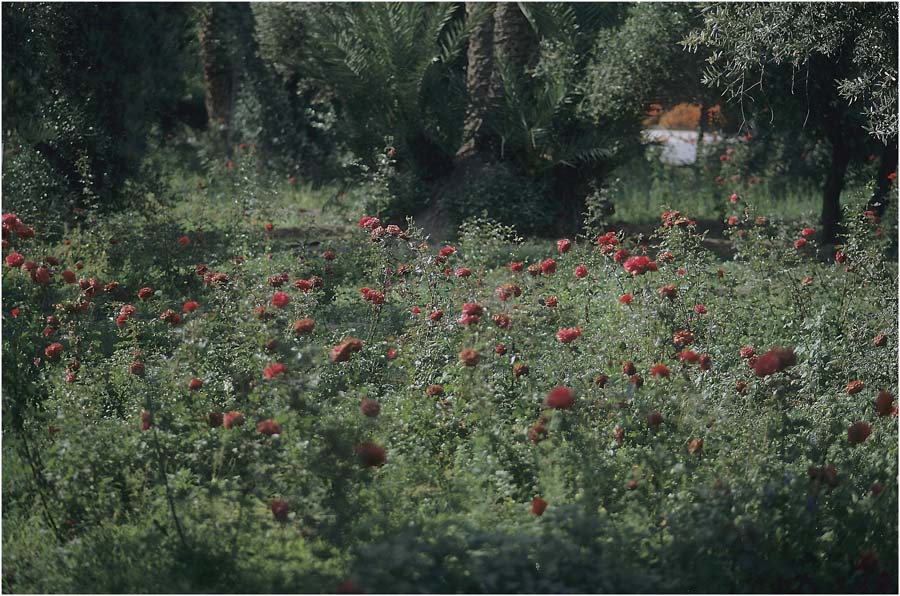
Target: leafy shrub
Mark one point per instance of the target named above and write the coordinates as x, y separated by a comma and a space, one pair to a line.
701, 468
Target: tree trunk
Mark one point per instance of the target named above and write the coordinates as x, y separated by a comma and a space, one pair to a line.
481, 95
878, 201
219, 69
834, 183
514, 40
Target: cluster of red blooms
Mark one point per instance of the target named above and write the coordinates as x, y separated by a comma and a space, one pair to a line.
373, 296
471, 313
507, 291
279, 279
171, 317
607, 242
373, 224
306, 285
125, 313
274, 370
639, 265
691, 357
12, 225
210, 277
805, 234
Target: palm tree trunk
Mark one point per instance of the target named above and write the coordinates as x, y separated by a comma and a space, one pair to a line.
478, 84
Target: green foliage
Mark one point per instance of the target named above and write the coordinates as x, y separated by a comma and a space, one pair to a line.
853, 45
84, 86
185, 507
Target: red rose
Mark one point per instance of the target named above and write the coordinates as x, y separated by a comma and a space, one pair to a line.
469, 357
434, 391
689, 356
469, 319
747, 352
581, 272
184, 241
537, 433
269, 227
884, 403
548, 267
563, 246
880, 340
370, 454
304, 326
329, 255
343, 351
369, 222
520, 369
145, 293
732, 221
137, 369
659, 370
171, 317
800, 243
463, 272
53, 350
840, 257
773, 361
626, 298
538, 506
502, 321
808, 232
733, 198
628, 368
280, 299
560, 398
668, 291
268, 427
41, 276
274, 370
370, 408
551, 302
700, 309
447, 251
639, 265
14, 260
601, 380
190, 306
233, 419
500, 349
303, 284
280, 509
472, 308
68, 276
569, 335
516, 266
436, 315
854, 387
607, 242
858, 432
